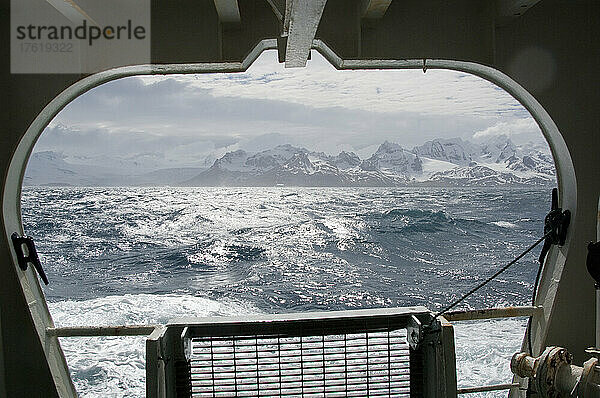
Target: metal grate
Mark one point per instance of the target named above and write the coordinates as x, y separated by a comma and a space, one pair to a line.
362, 364
357, 353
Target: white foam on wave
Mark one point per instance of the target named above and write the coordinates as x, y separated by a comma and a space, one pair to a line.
504, 224
484, 350
115, 366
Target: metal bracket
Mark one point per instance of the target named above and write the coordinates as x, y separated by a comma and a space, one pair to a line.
556, 224
414, 332
593, 261
31, 256
186, 342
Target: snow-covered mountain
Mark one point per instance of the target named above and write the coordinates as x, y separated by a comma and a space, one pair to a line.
452, 150
453, 162
496, 161
51, 168
534, 161
460, 152
480, 175
394, 159
438, 162
498, 150
289, 165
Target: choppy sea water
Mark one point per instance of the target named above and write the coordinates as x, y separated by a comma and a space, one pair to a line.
147, 255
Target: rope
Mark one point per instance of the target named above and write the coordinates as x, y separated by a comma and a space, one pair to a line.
491, 278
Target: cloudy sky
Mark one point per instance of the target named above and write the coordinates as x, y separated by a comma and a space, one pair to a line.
190, 120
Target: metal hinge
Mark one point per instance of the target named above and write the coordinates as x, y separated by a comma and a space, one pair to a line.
25, 243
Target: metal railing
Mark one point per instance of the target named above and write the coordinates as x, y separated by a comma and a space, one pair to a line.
100, 331
176, 363
493, 387
492, 313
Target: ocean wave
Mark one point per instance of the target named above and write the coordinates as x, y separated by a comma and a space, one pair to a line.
321, 250
141, 309
504, 224
115, 366
219, 251
424, 221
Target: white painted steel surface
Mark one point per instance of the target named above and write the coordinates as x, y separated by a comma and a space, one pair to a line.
304, 18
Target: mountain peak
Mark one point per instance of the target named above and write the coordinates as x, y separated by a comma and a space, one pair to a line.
498, 149
389, 147
393, 157
287, 147
231, 160
346, 160
453, 150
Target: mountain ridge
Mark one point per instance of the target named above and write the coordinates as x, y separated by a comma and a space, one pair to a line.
441, 161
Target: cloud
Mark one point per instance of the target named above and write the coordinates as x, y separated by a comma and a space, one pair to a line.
182, 119
519, 130
319, 85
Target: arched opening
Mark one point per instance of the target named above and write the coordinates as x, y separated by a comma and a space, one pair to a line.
565, 171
